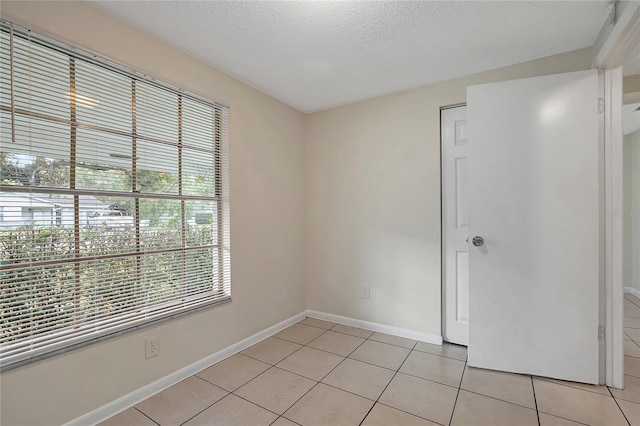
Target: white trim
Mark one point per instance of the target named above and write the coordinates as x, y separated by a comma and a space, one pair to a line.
112, 408
129, 400
614, 234
453, 238
374, 326
621, 40
633, 291
617, 43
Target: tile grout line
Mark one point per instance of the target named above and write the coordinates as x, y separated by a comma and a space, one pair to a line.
634, 374
562, 383
205, 409
634, 344
453, 410
412, 349
404, 411
439, 383
244, 383
374, 365
282, 417
415, 342
199, 412
285, 340
360, 344
443, 356
319, 381
139, 411
257, 405
352, 335
428, 380
365, 362
385, 388
298, 400
376, 401
564, 418
233, 392
618, 405
626, 399
298, 343
344, 356
632, 302
387, 368
623, 398
347, 391
368, 337
213, 384
559, 384
335, 331
272, 366
535, 400
316, 326
256, 359
494, 398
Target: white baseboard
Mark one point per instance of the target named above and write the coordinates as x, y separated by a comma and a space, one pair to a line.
633, 291
114, 407
374, 326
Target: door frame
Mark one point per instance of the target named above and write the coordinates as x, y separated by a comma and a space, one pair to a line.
443, 308
614, 233
613, 46
611, 311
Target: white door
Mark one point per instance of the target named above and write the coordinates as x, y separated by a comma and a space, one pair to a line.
455, 229
534, 196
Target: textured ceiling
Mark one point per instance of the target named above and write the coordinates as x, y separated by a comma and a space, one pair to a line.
315, 55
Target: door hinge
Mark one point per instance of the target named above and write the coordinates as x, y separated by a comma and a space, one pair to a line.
600, 105
601, 332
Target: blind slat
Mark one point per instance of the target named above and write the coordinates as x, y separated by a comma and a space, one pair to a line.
113, 199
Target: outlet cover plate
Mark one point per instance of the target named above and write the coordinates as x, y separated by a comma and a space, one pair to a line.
365, 292
151, 347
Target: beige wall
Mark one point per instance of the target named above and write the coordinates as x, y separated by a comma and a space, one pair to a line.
267, 229
631, 83
373, 199
635, 210
631, 156
632, 210
369, 177
626, 221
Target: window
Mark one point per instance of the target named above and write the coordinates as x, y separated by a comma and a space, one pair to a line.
114, 193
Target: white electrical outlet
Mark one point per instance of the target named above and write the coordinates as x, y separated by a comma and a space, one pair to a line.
151, 347
365, 292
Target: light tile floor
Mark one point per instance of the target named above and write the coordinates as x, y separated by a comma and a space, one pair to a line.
320, 373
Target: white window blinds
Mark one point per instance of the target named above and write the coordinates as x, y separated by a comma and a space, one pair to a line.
114, 194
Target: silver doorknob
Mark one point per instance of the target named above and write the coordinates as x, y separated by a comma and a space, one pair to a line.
478, 241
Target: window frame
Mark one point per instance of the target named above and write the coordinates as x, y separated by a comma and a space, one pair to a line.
219, 199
